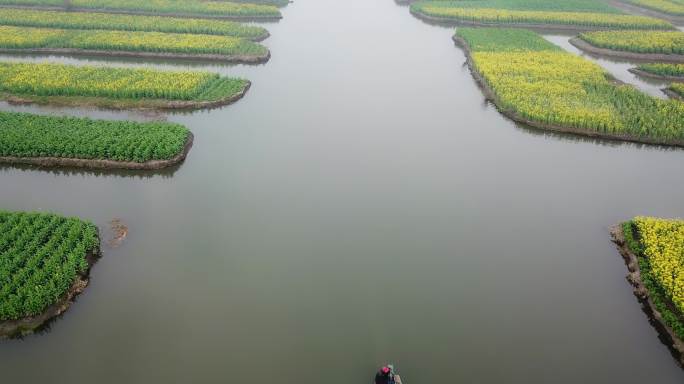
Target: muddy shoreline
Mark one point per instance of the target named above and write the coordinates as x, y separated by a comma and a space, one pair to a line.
48, 162
121, 104
145, 13
28, 325
490, 95
642, 73
587, 47
450, 22
667, 335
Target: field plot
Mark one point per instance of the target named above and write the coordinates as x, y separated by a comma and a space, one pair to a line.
678, 90
83, 142
117, 88
132, 44
654, 251
44, 264
577, 15
108, 21
182, 8
663, 71
646, 45
534, 81
669, 7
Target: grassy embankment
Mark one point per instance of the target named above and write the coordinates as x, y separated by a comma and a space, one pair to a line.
536, 82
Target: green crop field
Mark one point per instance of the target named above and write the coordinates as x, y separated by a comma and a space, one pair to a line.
108, 21
26, 136
40, 258
117, 83
660, 42
578, 14
149, 42
543, 84
659, 247
172, 7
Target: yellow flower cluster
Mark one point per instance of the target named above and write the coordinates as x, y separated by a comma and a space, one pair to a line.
506, 16
68, 80
665, 6
663, 242
548, 86
26, 37
666, 42
162, 42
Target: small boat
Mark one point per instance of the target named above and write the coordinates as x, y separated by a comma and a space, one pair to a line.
396, 377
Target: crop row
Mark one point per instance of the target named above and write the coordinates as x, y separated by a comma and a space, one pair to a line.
661, 69
108, 21
30, 38
40, 257
169, 7
537, 81
28, 136
89, 81
512, 17
659, 42
672, 7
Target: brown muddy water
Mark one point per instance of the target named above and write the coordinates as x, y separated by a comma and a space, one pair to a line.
362, 204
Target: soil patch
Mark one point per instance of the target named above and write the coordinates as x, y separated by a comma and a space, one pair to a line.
101, 163
667, 335
490, 95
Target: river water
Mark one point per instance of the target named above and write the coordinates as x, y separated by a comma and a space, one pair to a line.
363, 204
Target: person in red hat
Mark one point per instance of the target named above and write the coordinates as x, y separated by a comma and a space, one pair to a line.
384, 376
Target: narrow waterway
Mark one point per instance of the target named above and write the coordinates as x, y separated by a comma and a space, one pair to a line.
362, 204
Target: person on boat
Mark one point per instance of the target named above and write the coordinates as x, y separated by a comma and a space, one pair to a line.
384, 376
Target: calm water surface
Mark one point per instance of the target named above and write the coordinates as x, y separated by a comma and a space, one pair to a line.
362, 204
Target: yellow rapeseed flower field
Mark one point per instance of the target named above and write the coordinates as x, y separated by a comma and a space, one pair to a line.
665, 42
508, 16
663, 244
